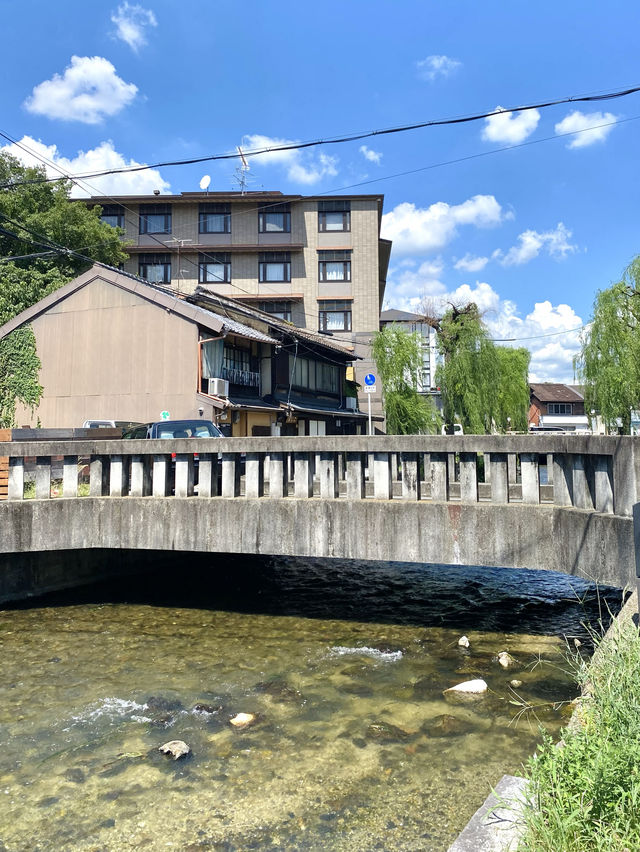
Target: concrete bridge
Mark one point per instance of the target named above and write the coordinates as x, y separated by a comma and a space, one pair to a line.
558, 502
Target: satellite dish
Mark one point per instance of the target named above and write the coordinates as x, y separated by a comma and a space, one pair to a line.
205, 181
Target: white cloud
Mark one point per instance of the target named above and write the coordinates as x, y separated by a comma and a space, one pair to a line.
301, 166
512, 127
88, 91
531, 243
372, 156
421, 230
468, 263
104, 156
590, 126
131, 23
437, 66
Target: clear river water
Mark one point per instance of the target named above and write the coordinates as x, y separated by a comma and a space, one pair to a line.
352, 744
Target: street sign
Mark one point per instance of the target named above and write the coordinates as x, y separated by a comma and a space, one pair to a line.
164, 415
369, 389
369, 379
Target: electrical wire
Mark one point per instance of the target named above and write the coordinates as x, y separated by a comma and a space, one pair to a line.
355, 137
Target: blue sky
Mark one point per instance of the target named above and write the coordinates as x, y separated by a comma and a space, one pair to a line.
531, 232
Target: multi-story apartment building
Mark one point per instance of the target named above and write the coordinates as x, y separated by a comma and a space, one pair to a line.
315, 261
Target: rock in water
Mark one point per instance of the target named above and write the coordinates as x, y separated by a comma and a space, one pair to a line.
515, 683
446, 726
505, 659
243, 720
176, 748
463, 642
469, 687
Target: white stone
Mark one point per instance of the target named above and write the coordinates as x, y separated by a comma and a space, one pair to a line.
176, 748
505, 659
472, 687
515, 683
242, 720
463, 641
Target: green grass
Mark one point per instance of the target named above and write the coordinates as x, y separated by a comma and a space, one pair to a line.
585, 792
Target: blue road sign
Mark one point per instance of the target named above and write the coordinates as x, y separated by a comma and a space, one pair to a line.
369, 379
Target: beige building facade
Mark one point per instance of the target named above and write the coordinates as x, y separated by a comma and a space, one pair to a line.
316, 261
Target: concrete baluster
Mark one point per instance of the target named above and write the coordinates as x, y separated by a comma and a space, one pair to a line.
382, 476
16, 479
328, 473
278, 475
499, 474
355, 476
184, 484
626, 476
468, 478
562, 479
207, 475
512, 468
70, 476
230, 475
530, 477
581, 493
98, 476
118, 475
43, 477
303, 475
439, 476
410, 476
138, 478
254, 475
603, 485
161, 466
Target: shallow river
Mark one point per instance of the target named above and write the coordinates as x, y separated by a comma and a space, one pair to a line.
353, 745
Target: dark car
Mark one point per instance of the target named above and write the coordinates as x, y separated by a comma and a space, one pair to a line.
175, 429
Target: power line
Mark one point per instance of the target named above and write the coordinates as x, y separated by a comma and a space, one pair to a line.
539, 336
355, 137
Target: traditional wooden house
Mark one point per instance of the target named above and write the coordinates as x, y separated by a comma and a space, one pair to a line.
113, 346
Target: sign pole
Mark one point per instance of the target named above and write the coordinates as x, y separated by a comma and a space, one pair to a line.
369, 406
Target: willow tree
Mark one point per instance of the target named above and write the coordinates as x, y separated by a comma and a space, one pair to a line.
398, 356
609, 361
484, 387
39, 224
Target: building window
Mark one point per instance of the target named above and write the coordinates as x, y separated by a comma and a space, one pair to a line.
214, 268
275, 266
113, 214
335, 316
281, 310
334, 265
560, 408
313, 375
214, 219
155, 218
155, 268
239, 368
334, 215
274, 219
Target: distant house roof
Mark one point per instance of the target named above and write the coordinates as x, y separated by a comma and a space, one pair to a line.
555, 392
161, 296
395, 315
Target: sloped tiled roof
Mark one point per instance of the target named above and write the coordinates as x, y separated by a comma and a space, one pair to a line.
555, 392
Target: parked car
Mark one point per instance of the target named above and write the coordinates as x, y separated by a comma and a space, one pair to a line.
174, 429
109, 424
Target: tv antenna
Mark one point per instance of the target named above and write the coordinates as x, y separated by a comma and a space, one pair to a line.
241, 171
205, 180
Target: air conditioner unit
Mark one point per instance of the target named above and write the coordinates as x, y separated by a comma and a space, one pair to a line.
218, 387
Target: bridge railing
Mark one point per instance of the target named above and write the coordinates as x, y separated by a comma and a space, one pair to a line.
594, 473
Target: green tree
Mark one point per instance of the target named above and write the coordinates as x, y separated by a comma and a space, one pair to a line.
38, 225
609, 361
484, 387
398, 355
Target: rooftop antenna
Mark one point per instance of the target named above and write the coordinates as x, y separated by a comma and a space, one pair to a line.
205, 180
241, 171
